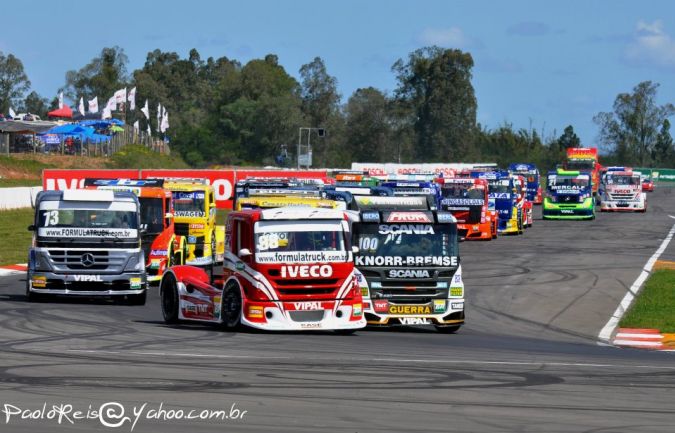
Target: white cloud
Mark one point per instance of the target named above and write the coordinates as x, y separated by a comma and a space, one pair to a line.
452, 37
651, 46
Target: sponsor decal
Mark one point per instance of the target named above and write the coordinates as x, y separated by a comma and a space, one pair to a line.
310, 325
301, 257
304, 271
159, 252
458, 278
357, 310
391, 261
567, 211
88, 278
154, 264
196, 226
216, 307
410, 309
192, 239
439, 305
38, 281
457, 305
409, 273
364, 291
499, 195
255, 312
408, 217
381, 306
135, 283
414, 321
308, 305
407, 229
456, 291
75, 232
190, 213
462, 201
188, 195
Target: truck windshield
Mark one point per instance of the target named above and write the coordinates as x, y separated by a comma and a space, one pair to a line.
613, 179
288, 241
580, 164
189, 203
460, 190
567, 182
499, 186
406, 240
152, 215
87, 223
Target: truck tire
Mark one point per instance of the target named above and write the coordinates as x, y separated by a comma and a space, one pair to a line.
230, 307
168, 293
447, 329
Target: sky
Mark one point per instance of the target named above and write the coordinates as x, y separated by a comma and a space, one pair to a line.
538, 64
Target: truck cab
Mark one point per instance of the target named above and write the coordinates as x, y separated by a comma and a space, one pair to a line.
408, 263
195, 219
503, 199
412, 185
286, 198
532, 177
86, 243
622, 191
161, 247
284, 269
569, 195
467, 200
584, 159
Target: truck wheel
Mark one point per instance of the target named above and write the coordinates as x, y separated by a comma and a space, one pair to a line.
138, 299
230, 309
447, 329
168, 293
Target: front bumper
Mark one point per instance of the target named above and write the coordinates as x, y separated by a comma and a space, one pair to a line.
553, 210
625, 206
438, 312
86, 284
479, 231
283, 316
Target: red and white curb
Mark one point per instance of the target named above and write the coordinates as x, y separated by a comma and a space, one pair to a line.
13, 269
651, 339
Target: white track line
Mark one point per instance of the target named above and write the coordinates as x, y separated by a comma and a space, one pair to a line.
606, 333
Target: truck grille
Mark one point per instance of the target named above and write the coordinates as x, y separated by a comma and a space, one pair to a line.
83, 260
307, 316
567, 198
181, 229
628, 196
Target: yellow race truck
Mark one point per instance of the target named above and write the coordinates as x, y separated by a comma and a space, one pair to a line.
195, 218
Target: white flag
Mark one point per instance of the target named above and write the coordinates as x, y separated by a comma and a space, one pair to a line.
81, 107
121, 96
145, 110
132, 99
60, 100
106, 114
112, 104
159, 117
165, 121
12, 114
137, 127
93, 105
149, 130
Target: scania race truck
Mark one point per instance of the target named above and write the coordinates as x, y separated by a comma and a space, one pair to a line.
569, 195
622, 191
408, 263
284, 269
86, 243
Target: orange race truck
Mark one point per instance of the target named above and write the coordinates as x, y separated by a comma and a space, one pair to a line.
584, 159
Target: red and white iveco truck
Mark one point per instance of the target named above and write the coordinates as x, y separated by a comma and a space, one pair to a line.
284, 269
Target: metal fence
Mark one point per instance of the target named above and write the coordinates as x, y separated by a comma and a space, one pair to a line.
14, 142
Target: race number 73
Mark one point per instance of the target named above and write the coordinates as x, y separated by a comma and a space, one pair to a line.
51, 217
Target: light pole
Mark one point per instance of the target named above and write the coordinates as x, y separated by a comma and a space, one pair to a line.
321, 132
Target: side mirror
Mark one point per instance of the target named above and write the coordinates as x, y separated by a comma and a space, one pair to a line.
31, 228
355, 249
168, 215
244, 252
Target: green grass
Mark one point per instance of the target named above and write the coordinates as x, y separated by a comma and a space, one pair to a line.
15, 237
25, 165
655, 306
10, 183
136, 156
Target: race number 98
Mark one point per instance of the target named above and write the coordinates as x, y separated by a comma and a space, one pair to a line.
268, 241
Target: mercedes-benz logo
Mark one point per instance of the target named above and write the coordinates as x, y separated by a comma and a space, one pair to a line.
87, 260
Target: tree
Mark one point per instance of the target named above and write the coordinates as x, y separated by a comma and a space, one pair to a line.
435, 84
631, 131
36, 104
569, 139
663, 149
101, 77
13, 82
368, 128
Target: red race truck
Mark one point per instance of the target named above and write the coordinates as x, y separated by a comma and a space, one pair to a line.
284, 269
467, 200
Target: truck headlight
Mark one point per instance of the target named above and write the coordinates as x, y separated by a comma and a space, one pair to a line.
135, 263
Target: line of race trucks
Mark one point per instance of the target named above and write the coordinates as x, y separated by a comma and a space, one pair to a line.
337, 254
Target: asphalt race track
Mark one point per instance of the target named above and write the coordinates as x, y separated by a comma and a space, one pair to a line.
528, 359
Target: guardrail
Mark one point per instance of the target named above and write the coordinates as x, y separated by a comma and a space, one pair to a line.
18, 197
